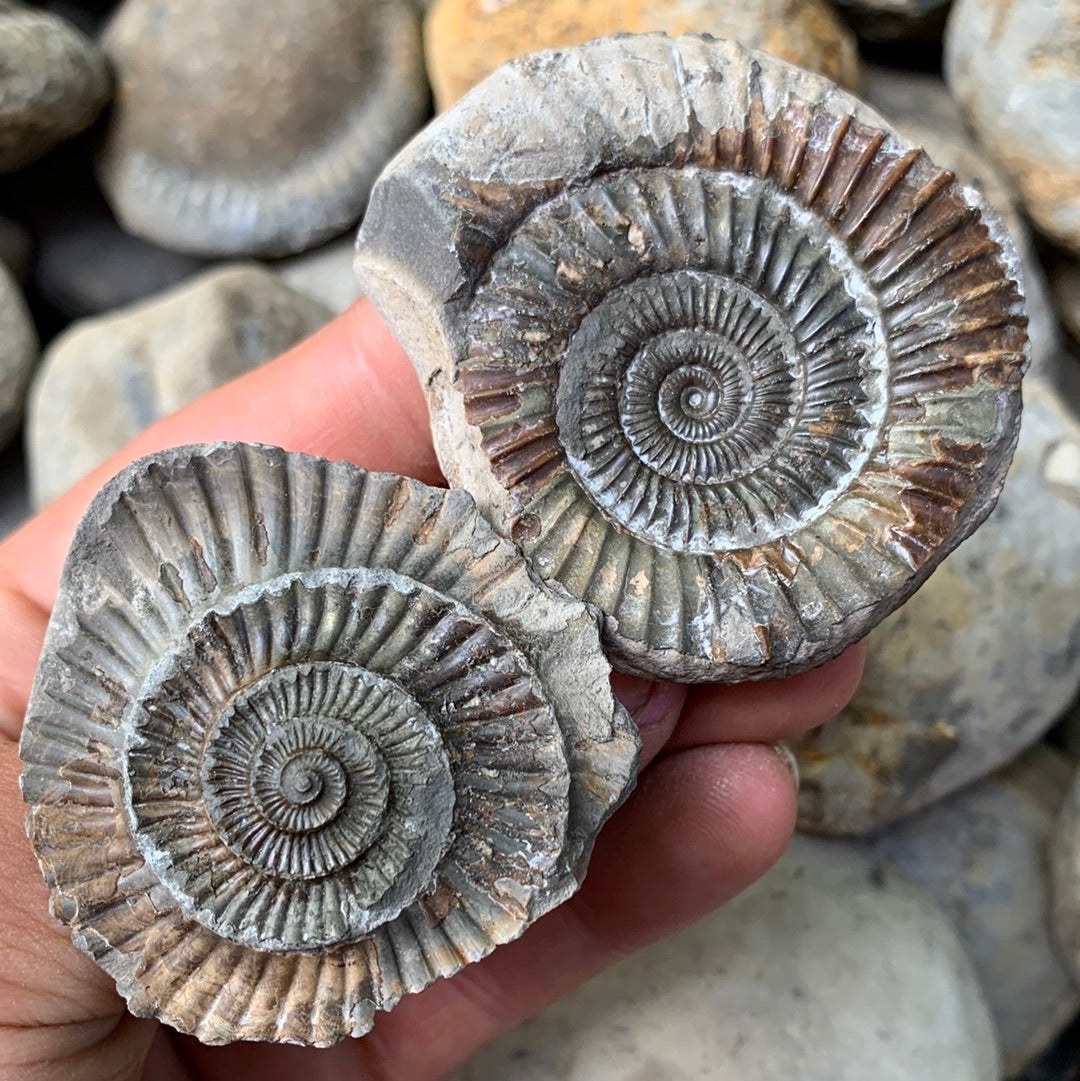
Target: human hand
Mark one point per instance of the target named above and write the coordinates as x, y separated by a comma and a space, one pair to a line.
713, 808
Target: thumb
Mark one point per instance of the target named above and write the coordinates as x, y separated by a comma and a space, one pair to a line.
58, 1011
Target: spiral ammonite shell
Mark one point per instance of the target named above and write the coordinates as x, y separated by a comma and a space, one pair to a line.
305, 738
726, 356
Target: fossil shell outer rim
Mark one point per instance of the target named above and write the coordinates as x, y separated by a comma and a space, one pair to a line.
568, 615
434, 333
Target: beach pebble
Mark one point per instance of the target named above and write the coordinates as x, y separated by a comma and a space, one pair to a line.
256, 127
1015, 69
107, 378
53, 83
981, 854
832, 967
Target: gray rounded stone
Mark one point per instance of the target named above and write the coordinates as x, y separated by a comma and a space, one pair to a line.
979, 663
980, 854
53, 83
1015, 69
18, 353
1065, 877
106, 379
831, 968
256, 127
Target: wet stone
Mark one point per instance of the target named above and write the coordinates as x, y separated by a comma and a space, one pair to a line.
106, 379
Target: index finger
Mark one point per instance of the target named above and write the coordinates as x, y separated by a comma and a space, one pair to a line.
346, 392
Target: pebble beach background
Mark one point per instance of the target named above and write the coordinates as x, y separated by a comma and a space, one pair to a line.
180, 185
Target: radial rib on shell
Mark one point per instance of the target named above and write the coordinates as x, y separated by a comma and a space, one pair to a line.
304, 739
726, 356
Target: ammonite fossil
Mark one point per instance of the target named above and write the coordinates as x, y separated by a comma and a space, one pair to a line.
304, 739
726, 356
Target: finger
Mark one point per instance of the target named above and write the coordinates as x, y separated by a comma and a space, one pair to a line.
771, 709
58, 1007
702, 825
347, 392
655, 706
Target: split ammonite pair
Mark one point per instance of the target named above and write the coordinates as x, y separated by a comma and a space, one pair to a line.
719, 352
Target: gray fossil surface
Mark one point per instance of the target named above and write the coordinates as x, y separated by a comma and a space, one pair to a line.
304, 739
727, 357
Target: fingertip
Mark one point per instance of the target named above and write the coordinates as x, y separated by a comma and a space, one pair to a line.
747, 801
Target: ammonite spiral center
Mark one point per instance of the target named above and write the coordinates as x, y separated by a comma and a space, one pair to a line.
702, 401
315, 785
303, 783
721, 374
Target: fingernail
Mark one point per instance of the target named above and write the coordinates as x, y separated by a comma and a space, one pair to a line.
783, 752
632, 691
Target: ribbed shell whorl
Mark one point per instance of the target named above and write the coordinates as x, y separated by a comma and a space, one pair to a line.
305, 738
721, 352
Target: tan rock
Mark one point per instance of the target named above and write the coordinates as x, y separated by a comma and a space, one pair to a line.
467, 39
